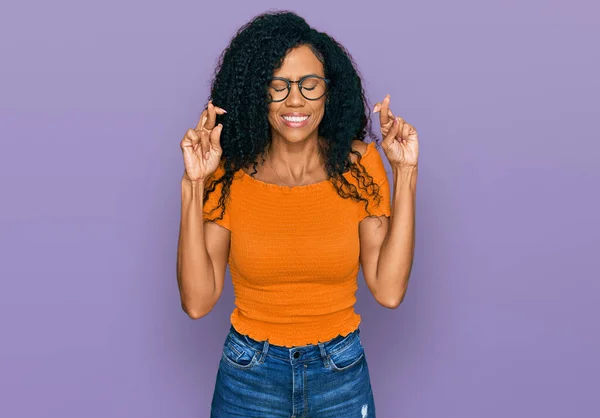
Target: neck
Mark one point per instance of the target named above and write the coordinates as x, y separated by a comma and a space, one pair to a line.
294, 160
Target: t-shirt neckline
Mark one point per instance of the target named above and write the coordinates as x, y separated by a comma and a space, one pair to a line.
318, 185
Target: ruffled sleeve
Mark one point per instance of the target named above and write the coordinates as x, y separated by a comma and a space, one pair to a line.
373, 164
211, 209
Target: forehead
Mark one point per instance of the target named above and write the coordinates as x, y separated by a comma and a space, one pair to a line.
299, 62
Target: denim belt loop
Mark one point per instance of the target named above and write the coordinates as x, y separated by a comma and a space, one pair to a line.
265, 350
324, 356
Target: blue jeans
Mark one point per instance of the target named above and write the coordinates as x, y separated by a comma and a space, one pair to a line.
327, 380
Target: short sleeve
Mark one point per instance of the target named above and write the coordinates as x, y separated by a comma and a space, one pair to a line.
211, 209
373, 164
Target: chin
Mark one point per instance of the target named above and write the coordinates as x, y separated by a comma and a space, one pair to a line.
297, 136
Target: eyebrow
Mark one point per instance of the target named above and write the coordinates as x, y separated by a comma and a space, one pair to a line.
306, 75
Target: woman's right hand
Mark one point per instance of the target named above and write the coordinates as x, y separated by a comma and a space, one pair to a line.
201, 146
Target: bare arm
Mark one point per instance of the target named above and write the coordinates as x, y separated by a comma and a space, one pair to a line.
202, 254
387, 252
203, 249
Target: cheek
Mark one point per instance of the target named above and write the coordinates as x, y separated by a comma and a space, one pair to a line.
273, 110
319, 111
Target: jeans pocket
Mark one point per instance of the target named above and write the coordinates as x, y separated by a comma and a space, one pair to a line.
348, 356
238, 354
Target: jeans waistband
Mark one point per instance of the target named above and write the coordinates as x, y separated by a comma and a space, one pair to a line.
306, 352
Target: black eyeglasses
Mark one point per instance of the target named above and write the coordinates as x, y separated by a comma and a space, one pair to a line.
312, 87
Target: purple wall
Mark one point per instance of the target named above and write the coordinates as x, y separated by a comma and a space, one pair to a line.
501, 316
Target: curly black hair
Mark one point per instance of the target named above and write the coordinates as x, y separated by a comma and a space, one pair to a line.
240, 83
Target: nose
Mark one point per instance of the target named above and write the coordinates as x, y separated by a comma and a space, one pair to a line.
295, 98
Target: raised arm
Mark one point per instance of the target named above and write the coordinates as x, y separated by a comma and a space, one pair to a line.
203, 249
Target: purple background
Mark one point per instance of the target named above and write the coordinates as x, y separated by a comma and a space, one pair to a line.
501, 316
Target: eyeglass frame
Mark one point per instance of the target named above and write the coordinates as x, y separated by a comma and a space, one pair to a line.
299, 82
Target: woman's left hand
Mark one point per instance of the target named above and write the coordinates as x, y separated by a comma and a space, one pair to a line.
400, 141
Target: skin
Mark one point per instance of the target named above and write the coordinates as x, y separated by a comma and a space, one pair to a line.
386, 244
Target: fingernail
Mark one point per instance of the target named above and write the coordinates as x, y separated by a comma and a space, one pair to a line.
224, 111
376, 109
206, 155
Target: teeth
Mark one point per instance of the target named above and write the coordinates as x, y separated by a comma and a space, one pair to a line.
295, 118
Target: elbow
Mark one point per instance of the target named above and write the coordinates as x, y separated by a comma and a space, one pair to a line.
393, 303
398, 295
195, 312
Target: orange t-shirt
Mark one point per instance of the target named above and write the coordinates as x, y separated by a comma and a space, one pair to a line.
294, 255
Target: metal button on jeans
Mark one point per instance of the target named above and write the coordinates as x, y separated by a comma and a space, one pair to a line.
296, 354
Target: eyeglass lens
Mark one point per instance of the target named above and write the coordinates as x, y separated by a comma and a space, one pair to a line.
311, 88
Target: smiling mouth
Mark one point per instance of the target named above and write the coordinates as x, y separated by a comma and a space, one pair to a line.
295, 119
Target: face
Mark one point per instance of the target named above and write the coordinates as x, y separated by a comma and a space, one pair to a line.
296, 118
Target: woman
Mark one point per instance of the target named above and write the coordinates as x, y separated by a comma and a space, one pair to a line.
295, 201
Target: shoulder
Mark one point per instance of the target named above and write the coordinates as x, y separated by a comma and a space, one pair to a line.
370, 159
359, 146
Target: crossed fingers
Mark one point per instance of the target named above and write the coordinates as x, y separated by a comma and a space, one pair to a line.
208, 118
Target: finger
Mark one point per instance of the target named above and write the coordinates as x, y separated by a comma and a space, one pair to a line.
413, 132
391, 135
391, 116
220, 110
406, 131
215, 137
384, 115
192, 136
212, 117
202, 120
401, 124
377, 108
204, 143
